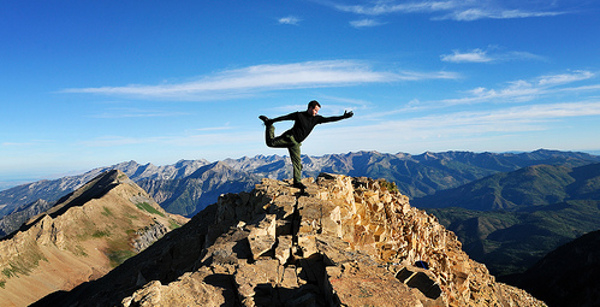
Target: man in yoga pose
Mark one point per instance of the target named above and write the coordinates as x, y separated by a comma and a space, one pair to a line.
304, 122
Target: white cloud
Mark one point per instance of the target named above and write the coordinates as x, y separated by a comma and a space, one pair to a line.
522, 90
388, 7
547, 87
512, 119
207, 137
289, 20
485, 56
498, 129
474, 56
471, 14
364, 23
565, 78
268, 77
136, 113
453, 9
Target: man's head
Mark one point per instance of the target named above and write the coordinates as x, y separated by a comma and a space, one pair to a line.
313, 107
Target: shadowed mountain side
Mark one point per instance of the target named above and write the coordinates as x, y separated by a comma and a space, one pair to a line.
81, 238
567, 276
343, 242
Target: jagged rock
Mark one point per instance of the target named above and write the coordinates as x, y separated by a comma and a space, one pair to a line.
344, 242
191, 289
148, 235
262, 236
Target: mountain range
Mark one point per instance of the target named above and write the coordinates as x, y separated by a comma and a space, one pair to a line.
523, 204
415, 175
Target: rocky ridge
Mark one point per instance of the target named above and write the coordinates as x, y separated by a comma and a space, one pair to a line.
81, 238
344, 242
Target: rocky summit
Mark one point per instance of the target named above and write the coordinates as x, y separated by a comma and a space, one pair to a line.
342, 242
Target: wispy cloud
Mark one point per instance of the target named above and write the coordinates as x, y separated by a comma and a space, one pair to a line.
220, 128
526, 90
452, 9
136, 113
28, 143
473, 56
550, 80
268, 77
519, 91
486, 56
453, 126
289, 20
471, 14
365, 23
389, 7
16, 144
198, 138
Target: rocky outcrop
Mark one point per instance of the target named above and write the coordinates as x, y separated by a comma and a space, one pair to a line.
148, 235
345, 242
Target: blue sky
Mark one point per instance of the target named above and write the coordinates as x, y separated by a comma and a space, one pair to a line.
93, 83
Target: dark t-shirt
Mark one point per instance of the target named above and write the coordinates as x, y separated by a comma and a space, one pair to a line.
304, 123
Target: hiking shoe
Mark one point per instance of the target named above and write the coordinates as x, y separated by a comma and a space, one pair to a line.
265, 120
299, 185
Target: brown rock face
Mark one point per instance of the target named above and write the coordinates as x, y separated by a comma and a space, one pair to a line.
345, 242
80, 239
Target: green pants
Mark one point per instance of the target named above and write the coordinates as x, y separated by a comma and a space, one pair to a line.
286, 140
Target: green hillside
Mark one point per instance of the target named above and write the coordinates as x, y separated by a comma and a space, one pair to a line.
522, 215
511, 242
532, 186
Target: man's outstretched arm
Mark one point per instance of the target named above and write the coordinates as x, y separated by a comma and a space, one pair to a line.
290, 116
336, 118
269, 121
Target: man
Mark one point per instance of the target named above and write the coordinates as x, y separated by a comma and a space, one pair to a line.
304, 122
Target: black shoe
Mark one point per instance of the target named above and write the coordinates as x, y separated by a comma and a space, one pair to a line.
265, 120
299, 185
